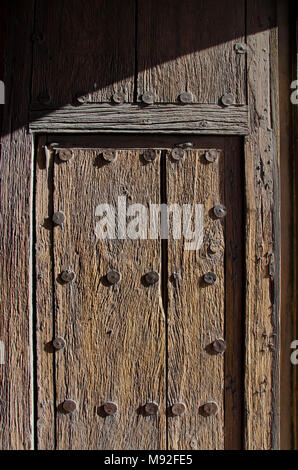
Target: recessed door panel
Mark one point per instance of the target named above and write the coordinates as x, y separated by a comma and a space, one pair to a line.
142, 312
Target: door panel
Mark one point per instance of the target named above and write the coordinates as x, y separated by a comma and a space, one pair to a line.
196, 309
129, 343
114, 333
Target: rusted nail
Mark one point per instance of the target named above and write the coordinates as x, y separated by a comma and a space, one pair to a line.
219, 345
240, 48
177, 154
109, 155
67, 275
186, 97
148, 97
219, 211
211, 156
110, 408
210, 278
210, 409
151, 409
59, 218
113, 277
59, 343
64, 154
118, 97
178, 409
149, 155
69, 406
227, 99
151, 278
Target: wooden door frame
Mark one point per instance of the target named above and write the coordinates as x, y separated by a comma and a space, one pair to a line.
262, 230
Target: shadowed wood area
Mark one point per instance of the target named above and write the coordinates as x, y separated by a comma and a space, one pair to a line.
190, 46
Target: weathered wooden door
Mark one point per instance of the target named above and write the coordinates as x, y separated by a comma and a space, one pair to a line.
89, 354
139, 333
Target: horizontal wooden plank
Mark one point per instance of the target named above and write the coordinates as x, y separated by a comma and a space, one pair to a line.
195, 119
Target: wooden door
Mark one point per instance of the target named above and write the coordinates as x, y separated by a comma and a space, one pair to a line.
125, 360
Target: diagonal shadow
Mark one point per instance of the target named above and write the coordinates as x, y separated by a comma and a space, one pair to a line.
85, 51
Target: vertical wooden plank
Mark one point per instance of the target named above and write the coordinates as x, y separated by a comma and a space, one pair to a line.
195, 309
115, 335
189, 46
84, 50
286, 194
294, 13
234, 292
262, 232
16, 407
45, 400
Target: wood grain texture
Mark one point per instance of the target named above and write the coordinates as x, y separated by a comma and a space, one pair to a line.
189, 46
115, 335
84, 49
195, 310
16, 375
193, 119
45, 398
286, 197
262, 233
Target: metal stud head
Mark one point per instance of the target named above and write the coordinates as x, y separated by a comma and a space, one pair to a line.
151, 409
227, 99
219, 345
186, 97
67, 275
109, 155
148, 97
151, 278
64, 155
59, 343
210, 278
240, 48
113, 277
118, 97
178, 409
149, 155
211, 156
210, 409
177, 154
219, 211
69, 406
59, 218
110, 408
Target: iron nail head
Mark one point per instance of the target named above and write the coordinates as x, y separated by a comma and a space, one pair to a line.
113, 277
69, 406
